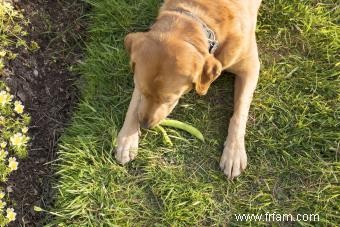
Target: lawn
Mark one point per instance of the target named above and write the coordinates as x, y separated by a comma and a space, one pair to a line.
292, 136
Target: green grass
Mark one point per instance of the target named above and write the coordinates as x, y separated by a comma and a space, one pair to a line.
292, 136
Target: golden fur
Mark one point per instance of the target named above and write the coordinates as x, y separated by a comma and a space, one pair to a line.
173, 58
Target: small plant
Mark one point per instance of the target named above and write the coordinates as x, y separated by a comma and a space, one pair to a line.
13, 121
13, 142
12, 33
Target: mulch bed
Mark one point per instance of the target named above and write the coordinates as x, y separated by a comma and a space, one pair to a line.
43, 82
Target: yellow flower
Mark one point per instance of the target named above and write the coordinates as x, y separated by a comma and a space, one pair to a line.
3, 144
12, 163
8, 7
17, 140
4, 98
18, 107
2, 53
10, 214
3, 154
2, 205
2, 195
24, 130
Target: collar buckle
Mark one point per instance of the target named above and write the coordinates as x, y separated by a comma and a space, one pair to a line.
210, 34
213, 45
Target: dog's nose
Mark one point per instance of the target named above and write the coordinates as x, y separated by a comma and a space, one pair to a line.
145, 123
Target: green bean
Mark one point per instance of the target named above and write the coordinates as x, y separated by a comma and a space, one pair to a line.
186, 127
166, 138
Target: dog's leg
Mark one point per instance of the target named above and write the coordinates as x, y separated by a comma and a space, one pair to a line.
128, 137
234, 157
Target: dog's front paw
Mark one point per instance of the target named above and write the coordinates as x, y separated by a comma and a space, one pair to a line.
127, 146
234, 158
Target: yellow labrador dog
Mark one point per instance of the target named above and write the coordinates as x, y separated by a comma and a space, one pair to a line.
189, 45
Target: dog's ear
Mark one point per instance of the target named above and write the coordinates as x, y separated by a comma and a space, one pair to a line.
211, 71
130, 39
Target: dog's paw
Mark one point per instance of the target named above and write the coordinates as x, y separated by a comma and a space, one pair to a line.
234, 158
127, 146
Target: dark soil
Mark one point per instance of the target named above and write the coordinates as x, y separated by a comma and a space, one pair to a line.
43, 82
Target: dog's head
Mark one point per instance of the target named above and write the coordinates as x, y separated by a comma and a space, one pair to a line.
164, 69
